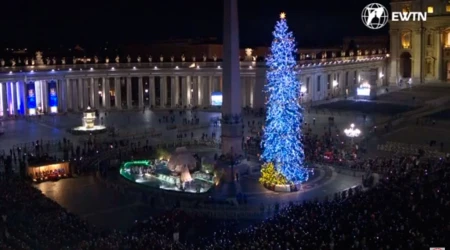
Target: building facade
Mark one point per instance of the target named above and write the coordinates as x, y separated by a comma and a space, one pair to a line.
54, 86
420, 50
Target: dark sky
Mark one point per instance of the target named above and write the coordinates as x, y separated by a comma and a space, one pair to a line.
49, 22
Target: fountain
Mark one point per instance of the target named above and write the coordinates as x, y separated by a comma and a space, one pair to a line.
89, 127
181, 173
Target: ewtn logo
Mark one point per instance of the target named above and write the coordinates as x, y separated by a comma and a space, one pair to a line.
375, 16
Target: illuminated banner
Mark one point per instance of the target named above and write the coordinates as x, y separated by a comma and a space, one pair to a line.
216, 99
31, 95
52, 96
364, 89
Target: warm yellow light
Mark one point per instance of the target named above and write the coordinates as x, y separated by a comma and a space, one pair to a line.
430, 9
283, 15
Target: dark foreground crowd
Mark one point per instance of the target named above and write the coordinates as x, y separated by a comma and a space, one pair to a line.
408, 209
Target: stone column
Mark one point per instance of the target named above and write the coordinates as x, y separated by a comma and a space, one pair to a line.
253, 90
232, 104
163, 91
4, 98
208, 90
341, 82
417, 55
248, 91
258, 82
117, 93
185, 80
86, 88
45, 96
74, 95
106, 94
95, 102
243, 92
174, 91
439, 67
195, 92
152, 95
129, 96
189, 90
140, 92
23, 94
68, 93
62, 95
394, 68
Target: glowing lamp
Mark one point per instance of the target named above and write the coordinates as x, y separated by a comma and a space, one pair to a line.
303, 89
352, 132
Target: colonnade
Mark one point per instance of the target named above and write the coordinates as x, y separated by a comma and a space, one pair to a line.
115, 92
53, 91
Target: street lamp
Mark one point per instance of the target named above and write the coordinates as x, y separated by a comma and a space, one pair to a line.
352, 132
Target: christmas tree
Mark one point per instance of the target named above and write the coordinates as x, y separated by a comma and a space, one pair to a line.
281, 142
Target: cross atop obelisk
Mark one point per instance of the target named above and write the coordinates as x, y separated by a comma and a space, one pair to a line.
232, 101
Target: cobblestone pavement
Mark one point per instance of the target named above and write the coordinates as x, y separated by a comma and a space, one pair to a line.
129, 122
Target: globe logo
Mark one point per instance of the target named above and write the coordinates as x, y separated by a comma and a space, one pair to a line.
375, 16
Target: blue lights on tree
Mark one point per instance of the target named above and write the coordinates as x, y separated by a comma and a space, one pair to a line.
281, 142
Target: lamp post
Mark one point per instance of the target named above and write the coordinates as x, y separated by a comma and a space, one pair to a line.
352, 132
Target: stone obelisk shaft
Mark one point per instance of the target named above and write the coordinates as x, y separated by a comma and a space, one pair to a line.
232, 106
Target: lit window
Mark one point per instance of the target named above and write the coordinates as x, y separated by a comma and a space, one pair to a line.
406, 40
430, 9
447, 39
447, 8
405, 9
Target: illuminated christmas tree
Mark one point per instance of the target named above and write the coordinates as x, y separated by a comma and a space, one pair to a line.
281, 142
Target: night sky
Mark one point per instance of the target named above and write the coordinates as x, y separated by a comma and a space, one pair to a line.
92, 23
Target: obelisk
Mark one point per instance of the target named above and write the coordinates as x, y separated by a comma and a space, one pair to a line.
232, 101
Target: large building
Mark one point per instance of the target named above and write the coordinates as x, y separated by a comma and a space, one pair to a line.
420, 50
60, 86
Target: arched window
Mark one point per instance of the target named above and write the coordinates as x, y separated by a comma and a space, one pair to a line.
447, 38
406, 40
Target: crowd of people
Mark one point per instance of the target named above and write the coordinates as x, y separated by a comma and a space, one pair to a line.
406, 210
